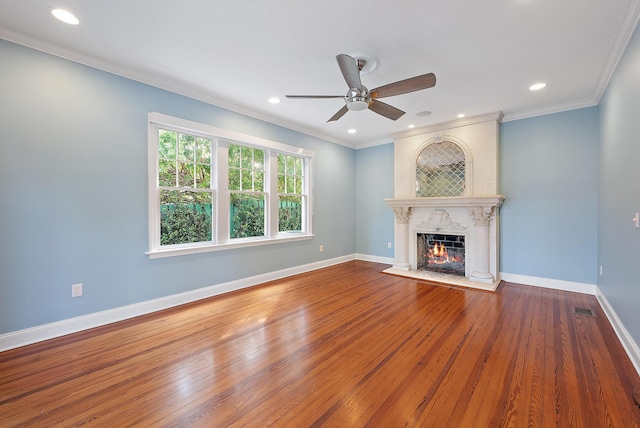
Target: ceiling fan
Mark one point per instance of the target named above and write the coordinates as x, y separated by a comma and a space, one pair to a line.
360, 98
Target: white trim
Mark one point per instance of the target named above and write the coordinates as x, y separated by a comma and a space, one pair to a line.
208, 131
374, 259
231, 245
556, 284
629, 345
43, 332
625, 32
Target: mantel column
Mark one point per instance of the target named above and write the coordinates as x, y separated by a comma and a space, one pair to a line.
481, 220
402, 215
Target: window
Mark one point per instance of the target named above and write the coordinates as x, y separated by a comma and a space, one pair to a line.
291, 196
246, 188
184, 188
213, 189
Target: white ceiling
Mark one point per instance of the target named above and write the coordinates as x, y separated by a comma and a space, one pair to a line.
237, 54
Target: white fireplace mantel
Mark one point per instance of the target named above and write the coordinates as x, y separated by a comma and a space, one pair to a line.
461, 201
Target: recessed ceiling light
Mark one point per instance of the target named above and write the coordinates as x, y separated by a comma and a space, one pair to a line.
274, 100
411, 126
65, 16
461, 115
352, 131
423, 113
537, 86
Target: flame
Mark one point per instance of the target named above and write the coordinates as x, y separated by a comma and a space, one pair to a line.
439, 255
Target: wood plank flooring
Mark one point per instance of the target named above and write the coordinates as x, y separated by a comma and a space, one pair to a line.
345, 346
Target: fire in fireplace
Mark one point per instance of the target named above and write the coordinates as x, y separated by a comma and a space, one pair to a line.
441, 253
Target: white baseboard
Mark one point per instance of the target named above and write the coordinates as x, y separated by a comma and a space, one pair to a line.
374, 259
556, 284
43, 332
630, 346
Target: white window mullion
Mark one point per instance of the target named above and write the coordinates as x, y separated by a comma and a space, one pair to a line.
307, 207
223, 200
271, 178
154, 192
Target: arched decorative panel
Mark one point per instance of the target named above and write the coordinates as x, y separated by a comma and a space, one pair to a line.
440, 170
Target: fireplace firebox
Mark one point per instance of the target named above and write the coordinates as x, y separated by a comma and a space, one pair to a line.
441, 253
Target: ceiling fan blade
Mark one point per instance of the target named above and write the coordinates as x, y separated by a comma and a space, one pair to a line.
339, 114
404, 86
350, 70
314, 96
385, 110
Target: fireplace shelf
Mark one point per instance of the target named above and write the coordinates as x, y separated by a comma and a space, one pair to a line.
448, 202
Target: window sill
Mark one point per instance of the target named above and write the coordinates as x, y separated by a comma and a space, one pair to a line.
244, 243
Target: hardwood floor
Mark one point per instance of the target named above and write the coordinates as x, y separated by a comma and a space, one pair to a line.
345, 346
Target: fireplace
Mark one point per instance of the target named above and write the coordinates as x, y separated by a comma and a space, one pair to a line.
446, 195
441, 253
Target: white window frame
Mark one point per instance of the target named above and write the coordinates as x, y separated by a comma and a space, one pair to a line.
221, 138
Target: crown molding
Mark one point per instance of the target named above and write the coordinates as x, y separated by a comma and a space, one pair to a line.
625, 32
457, 123
558, 108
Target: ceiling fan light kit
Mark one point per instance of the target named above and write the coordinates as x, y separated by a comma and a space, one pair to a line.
359, 98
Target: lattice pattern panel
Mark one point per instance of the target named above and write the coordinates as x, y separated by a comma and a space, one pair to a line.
440, 171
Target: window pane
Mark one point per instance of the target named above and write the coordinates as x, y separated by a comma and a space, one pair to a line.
246, 180
247, 215
290, 165
247, 158
185, 174
290, 183
166, 173
186, 148
281, 180
185, 217
234, 179
258, 159
290, 214
166, 144
299, 169
298, 186
203, 150
281, 163
203, 176
234, 155
258, 180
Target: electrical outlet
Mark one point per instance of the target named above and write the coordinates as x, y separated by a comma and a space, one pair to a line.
388, 244
76, 290
321, 248
600, 270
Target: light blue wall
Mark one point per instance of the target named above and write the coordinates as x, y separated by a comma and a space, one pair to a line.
619, 190
73, 193
548, 171
548, 175
374, 183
